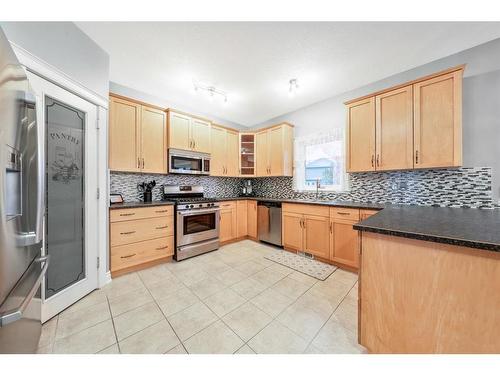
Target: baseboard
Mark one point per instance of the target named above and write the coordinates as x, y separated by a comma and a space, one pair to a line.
141, 266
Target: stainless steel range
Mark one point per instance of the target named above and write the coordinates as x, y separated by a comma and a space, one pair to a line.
196, 220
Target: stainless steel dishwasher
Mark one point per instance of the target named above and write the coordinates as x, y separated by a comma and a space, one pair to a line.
269, 222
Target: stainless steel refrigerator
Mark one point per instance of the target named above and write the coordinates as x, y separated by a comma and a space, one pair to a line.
22, 205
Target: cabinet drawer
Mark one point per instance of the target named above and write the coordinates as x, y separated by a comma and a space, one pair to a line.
125, 214
306, 209
133, 254
344, 214
125, 232
228, 205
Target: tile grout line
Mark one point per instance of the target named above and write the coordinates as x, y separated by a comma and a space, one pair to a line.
113, 323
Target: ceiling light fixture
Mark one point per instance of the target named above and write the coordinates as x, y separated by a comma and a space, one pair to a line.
294, 87
211, 91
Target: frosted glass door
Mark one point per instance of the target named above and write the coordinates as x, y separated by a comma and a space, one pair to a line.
65, 200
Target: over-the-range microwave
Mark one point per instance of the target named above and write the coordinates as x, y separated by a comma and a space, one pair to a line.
188, 162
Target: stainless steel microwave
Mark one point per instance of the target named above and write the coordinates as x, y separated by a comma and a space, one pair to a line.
188, 162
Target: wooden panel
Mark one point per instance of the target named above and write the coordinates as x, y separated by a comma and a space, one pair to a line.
218, 154
344, 214
227, 229
317, 235
125, 232
200, 134
293, 236
125, 214
287, 150
262, 154
178, 131
361, 136
394, 129
307, 209
276, 151
124, 119
154, 140
438, 121
252, 219
242, 218
425, 297
228, 205
345, 245
133, 254
233, 154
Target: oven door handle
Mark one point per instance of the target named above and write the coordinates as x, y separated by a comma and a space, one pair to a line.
197, 212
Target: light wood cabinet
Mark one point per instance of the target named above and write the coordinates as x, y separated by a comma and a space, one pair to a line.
224, 153
438, 121
274, 151
139, 237
415, 125
394, 129
247, 154
137, 137
187, 132
242, 218
228, 221
345, 244
292, 231
317, 235
252, 219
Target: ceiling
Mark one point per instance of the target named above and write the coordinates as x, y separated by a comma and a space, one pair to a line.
254, 61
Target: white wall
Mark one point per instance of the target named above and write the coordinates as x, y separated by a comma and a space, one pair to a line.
166, 103
481, 105
66, 47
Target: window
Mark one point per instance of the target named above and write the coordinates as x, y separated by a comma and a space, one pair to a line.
320, 157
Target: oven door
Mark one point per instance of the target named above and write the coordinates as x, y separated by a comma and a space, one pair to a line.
196, 226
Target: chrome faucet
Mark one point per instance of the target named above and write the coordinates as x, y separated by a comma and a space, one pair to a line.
318, 186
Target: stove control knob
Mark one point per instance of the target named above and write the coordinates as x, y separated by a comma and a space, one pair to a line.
191, 206
200, 205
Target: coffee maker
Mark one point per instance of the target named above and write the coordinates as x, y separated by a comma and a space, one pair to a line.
246, 190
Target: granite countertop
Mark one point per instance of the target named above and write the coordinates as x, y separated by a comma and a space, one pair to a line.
469, 227
140, 204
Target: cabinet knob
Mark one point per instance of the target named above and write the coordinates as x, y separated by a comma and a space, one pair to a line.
416, 157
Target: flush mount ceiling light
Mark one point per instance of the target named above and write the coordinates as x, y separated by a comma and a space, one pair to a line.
210, 91
293, 89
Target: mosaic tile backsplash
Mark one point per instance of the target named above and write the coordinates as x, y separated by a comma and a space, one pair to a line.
461, 187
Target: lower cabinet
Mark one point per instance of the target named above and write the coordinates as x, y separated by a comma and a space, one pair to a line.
252, 219
325, 232
241, 218
140, 236
227, 221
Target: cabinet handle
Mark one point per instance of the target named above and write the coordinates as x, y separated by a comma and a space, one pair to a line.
416, 157
130, 214
194, 144
139, 163
128, 256
161, 211
331, 227
373, 160
131, 232
343, 213
162, 248
378, 160
164, 227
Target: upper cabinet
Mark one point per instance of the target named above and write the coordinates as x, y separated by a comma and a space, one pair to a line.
418, 125
137, 137
274, 151
188, 133
224, 153
247, 154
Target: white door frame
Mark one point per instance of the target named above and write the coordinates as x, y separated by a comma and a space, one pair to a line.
54, 75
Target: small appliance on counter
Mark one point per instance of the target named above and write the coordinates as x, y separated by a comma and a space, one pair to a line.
146, 188
196, 220
247, 190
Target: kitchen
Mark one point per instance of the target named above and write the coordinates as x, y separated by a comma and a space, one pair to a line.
216, 212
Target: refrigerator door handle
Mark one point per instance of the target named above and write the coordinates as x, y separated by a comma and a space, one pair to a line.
12, 315
40, 191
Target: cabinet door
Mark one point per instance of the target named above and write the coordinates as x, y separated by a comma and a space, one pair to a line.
317, 235
262, 154
232, 155
275, 151
345, 243
218, 154
178, 133
124, 145
361, 136
394, 129
292, 231
226, 225
438, 121
242, 219
200, 135
153, 141
252, 218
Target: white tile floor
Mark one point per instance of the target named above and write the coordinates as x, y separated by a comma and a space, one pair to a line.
229, 301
